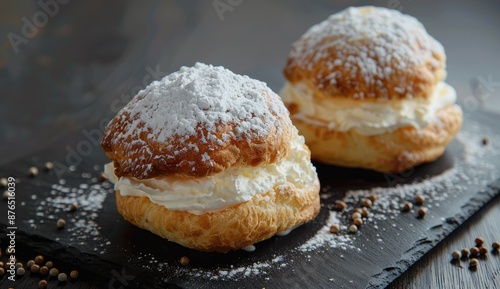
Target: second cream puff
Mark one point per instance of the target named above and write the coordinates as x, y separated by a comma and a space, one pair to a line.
366, 88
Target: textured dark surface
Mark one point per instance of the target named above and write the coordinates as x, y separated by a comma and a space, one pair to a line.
76, 72
154, 261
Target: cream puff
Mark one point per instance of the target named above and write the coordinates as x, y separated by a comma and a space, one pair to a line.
210, 160
366, 89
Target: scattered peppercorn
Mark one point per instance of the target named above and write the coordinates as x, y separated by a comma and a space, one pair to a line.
486, 140
334, 228
373, 198
473, 262
19, 265
20, 271
73, 274
48, 166
33, 172
358, 210
367, 203
365, 213
73, 207
3, 182
39, 259
341, 205
496, 245
1, 264
483, 251
35, 268
420, 199
5, 195
184, 261
456, 255
62, 277
61, 223
479, 241
353, 229
407, 207
474, 251
465, 252
42, 284
2, 271
358, 222
356, 215
422, 212
49, 264
30, 263
53, 272
44, 270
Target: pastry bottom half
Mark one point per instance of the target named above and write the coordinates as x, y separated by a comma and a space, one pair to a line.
391, 152
232, 228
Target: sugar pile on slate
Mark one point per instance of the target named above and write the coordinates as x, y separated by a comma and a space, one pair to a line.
78, 206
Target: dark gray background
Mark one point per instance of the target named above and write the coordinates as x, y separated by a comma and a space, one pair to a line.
92, 55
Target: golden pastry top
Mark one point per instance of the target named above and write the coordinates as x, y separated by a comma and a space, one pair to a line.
197, 122
368, 53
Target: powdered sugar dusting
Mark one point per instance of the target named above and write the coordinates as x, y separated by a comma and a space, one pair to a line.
196, 102
372, 45
324, 238
203, 95
82, 228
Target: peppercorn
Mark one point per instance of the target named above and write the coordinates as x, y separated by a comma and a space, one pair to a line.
62, 277
53, 272
473, 263
42, 284
184, 261
61, 223
420, 199
465, 252
474, 251
33, 172
39, 259
20, 271
341, 205
456, 255
73, 274
30, 263
48, 166
35, 268
334, 228
407, 207
422, 212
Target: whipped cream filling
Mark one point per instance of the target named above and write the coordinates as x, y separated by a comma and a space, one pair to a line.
216, 192
367, 117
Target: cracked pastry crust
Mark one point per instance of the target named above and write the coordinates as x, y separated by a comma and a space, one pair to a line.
232, 228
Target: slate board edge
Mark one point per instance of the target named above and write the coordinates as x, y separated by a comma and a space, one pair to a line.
424, 245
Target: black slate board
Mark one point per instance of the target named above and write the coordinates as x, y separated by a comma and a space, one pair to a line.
460, 182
